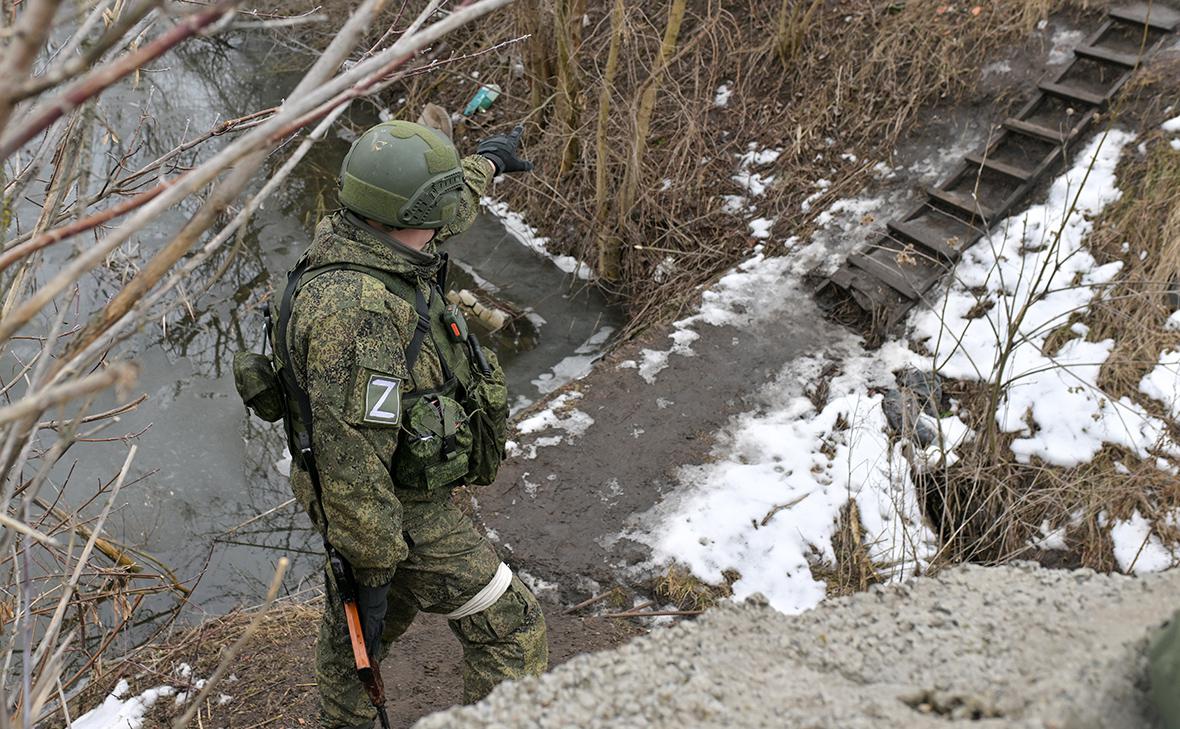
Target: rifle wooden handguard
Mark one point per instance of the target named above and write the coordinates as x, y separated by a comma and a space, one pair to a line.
359, 653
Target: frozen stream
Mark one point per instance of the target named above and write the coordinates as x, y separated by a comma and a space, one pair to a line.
204, 467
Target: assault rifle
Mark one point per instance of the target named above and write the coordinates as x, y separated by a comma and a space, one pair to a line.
369, 676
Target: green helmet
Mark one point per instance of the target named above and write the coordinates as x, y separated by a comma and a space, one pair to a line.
404, 175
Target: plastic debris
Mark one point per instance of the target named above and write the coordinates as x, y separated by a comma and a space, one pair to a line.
483, 99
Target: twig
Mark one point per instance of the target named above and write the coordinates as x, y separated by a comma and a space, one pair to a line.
264, 514
118, 374
779, 507
58, 424
596, 599
9, 523
100, 79
653, 613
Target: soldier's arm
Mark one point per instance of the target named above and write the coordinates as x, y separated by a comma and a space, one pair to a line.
354, 369
477, 175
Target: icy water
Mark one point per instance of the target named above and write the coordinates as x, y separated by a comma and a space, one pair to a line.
205, 470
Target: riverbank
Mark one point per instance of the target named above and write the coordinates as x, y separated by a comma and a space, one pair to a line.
271, 680
720, 126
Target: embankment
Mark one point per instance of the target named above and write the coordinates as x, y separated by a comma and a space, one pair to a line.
1015, 646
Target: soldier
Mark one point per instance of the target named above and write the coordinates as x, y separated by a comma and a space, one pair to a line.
404, 405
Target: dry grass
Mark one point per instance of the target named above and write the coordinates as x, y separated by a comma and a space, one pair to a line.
854, 570
1135, 309
273, 677
680, 587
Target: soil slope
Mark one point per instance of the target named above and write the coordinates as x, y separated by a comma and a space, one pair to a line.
1016, 646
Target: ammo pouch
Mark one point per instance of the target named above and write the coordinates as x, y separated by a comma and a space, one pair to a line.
434, 444
444, 442
487, 401
258, 385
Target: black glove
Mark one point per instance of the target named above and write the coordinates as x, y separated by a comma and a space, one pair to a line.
501, 150
372, 604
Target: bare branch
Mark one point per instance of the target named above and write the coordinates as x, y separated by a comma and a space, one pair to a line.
32, 28
119, 374
100, 79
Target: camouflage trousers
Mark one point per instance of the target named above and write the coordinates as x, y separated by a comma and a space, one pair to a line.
449, 563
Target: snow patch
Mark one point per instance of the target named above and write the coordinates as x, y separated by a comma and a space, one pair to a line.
854, 212
119, 713
1064, 42
283, 465
744, 295
721, 98
1035, 272
575, 366
529, 237
760, 228
1171, 126
536, 584
996, 69
1138, 550
560, 416
755, 183
1050, 539
770, 501
1163, 382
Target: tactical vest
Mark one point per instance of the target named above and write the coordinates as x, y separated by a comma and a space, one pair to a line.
449, 435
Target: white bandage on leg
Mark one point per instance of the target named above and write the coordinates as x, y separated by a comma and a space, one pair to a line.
486, 597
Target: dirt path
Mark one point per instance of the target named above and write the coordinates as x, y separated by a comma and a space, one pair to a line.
560, 512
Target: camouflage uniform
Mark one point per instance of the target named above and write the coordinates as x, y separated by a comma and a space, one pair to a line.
346, 327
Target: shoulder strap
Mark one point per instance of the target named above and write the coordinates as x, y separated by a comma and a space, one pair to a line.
300, 439
421, 330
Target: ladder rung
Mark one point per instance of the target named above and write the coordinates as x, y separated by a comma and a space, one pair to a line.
886, 274
1152, 14
967, 205
908, 231
1004, 169
1073, 93
1037, 131
1098, 53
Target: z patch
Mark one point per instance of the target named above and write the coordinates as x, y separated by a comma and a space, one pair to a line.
383, 400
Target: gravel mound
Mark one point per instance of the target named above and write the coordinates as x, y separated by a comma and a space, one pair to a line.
1015, 646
